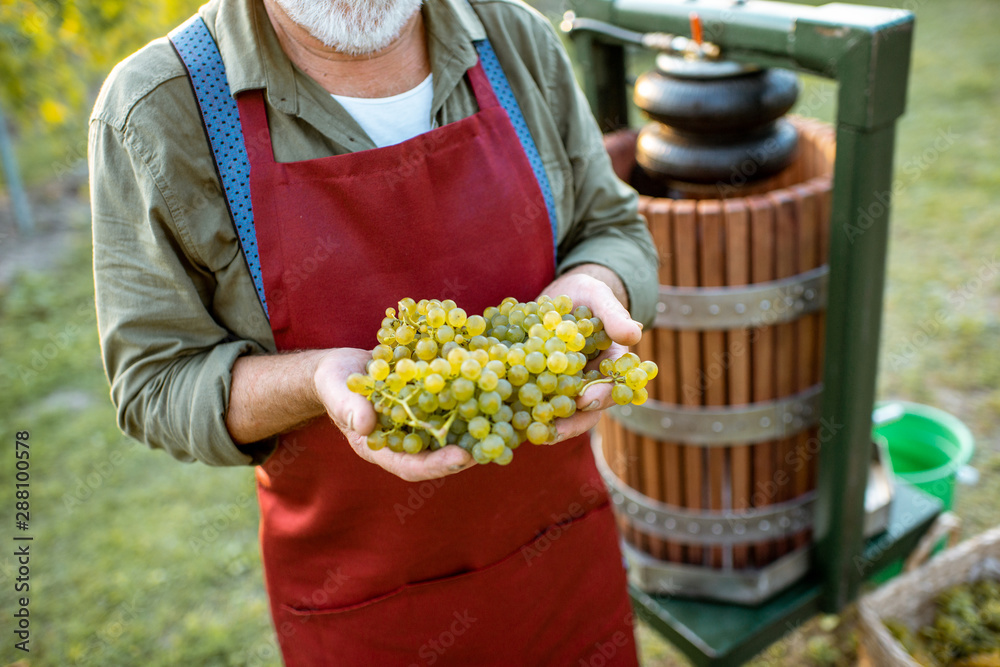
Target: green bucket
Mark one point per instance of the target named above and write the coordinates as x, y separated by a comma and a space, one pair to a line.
926, 448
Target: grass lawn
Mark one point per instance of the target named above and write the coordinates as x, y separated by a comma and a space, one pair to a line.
140, 560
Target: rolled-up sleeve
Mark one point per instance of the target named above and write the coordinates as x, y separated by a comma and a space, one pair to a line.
168, 360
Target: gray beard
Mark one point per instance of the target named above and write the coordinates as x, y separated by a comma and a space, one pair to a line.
354, 27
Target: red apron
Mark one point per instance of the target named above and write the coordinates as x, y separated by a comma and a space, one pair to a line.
515, 565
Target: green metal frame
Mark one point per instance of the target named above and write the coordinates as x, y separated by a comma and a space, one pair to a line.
867, 51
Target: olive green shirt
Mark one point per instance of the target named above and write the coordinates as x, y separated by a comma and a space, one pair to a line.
176, 304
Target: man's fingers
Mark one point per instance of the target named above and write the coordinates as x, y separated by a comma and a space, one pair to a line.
619, 325
579, 422
350, 411
425, 465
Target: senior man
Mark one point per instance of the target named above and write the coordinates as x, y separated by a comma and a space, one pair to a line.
265, 183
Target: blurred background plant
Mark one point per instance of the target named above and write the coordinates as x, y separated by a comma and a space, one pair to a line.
54, 54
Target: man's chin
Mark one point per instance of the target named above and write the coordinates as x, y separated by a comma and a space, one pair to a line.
352, 27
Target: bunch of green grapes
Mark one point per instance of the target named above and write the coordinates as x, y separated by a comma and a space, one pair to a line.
487, 382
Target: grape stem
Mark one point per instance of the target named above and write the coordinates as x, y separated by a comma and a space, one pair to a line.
439, 433
597, 381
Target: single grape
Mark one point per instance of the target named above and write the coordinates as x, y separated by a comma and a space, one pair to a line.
401, 352
479, 427
378, 369
563, 304
434, 383
479, 455
406, 369
383, 352
426, 349
530, 395
475, 325
377, 440
543, 412
607, 366
621, 394
566, 331
554, 345
626, 362
563, 406
360, 384
398, 414
557, 362
489, 402
518, 375
537, 433
394, 382
428, 402
412, 444
404, 334
488, 380
394, 441
551, 319
534, 344
444, 334
446, 401
582, 313
471, 369
539, 331
636, 378
504, 457
585, 327
521, 420
650, 368
601, 340
493, 445
386, 336
640, 396
569, 385
463, 389
504, 414
457, 317
436, 317
407, 307
469, 409
535, 362
547, 382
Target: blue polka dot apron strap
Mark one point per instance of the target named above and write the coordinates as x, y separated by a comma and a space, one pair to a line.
221, 120
501, 87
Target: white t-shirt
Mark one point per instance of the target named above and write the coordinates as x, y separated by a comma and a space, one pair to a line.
393, 120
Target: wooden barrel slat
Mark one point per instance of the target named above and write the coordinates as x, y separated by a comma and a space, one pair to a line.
712, 273
737, 221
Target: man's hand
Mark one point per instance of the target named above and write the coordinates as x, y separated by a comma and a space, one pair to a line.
601, 290
355, 416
